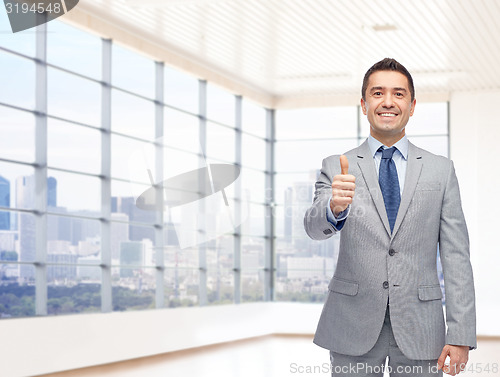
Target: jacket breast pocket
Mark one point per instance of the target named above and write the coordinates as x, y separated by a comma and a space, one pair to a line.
344, 287
429, 292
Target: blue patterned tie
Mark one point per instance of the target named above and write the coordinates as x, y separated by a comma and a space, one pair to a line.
389, 184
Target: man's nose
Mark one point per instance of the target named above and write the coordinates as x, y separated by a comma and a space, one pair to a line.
388, 101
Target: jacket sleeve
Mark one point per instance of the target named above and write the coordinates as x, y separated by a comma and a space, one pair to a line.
457, 269
316, 223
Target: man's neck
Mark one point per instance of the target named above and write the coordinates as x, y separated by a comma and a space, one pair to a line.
390, 140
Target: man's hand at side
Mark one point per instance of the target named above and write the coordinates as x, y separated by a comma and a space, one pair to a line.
342, 188
459, 355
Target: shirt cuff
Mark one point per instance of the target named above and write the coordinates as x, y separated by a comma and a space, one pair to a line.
337, 222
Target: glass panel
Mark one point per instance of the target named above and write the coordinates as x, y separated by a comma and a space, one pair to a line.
293, 188
73, 147
9, 236
181, 130
220, 142
220, 105
132, 71
252, 253
74, 193
331, 122
181, 286
131, 115
253, 186
429, 119
302, 285
181, 90
78, 289
25, 223
17, 294
434, 144
220, 279
177, 162
73, 49
18, 185
20, 127
123, 201
252, 285
131, 159
220, 286
22, 41
290, 156
73, 237
290, 217
18, 80
255, 224
253, 118
136, 253
73, 97
253, 152
133, 288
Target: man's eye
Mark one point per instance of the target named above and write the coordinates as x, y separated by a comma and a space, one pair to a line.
377, 93
399, 94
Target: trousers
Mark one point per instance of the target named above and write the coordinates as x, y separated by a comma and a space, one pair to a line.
373, 363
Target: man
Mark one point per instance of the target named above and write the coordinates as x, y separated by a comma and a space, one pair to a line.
393, 204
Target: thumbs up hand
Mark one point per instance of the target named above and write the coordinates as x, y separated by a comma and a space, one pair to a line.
342, 188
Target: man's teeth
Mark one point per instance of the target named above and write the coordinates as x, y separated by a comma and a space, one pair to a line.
387, 114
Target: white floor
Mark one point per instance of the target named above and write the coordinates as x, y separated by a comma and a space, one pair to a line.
270, 356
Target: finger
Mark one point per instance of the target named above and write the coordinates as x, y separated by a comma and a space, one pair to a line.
342, 202
344, 165
342, 193
345, 178
340, 185
446, 369
442, 357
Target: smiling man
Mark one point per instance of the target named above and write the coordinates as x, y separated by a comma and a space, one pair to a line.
394, 204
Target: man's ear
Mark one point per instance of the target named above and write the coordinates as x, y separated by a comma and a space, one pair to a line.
413, 106
363, 106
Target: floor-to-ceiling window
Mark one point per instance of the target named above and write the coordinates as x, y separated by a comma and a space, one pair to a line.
89, 128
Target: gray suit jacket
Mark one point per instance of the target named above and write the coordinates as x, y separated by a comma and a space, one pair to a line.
374, 265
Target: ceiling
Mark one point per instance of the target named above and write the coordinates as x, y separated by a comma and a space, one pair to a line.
306, 51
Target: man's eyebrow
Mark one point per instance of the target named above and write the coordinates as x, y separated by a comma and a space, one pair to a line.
381, 88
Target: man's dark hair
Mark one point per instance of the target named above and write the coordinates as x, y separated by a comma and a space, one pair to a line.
388, 64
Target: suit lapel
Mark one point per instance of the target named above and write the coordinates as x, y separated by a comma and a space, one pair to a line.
367, 167
413, 169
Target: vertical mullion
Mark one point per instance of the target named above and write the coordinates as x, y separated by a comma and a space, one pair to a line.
159, 228
269, 256
41, 172
237, 207
106, 290
202, 253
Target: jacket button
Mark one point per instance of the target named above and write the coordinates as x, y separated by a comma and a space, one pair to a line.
392, 252
386, 284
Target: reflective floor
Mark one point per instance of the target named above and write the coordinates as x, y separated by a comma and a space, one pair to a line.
276, 356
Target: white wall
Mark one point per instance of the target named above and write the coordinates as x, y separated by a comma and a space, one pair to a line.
474, 147
32, 346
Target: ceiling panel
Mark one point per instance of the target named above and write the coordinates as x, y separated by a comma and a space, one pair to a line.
290, 48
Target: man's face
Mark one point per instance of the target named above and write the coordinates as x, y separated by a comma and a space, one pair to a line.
388, 104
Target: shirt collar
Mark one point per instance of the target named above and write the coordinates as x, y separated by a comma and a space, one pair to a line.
401, 146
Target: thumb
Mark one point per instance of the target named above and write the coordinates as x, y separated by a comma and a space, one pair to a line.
344, 164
